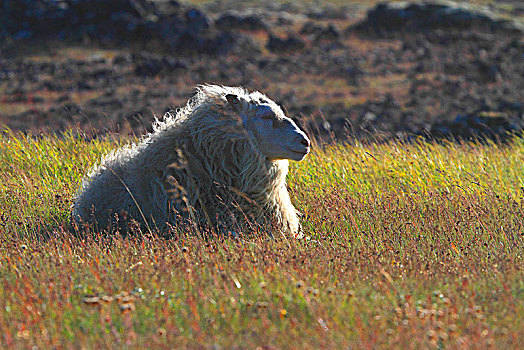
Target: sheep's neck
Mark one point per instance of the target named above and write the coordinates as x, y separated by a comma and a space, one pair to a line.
234, 165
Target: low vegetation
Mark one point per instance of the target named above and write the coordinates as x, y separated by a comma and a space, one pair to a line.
409, 245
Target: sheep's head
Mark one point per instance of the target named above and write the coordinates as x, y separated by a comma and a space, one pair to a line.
277, 136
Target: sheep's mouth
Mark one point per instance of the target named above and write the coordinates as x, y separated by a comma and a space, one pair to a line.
301, 152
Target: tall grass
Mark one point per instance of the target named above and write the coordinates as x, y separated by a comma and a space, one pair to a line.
409, 245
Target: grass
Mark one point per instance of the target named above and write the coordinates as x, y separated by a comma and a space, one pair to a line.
411, 246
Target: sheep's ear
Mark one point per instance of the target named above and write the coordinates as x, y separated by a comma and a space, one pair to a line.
233, 100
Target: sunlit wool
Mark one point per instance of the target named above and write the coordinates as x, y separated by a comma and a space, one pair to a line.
201, 164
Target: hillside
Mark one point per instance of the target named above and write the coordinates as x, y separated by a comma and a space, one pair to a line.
448, 70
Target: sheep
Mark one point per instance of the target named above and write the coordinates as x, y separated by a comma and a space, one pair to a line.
219, 162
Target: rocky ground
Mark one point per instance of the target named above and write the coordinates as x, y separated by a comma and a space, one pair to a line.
391, 70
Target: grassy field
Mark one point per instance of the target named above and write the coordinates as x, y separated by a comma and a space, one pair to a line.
410, 246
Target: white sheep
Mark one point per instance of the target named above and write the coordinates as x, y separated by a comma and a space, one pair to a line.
220, 162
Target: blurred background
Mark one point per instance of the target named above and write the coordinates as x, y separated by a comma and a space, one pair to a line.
341, 68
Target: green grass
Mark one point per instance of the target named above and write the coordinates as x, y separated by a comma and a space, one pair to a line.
411, 246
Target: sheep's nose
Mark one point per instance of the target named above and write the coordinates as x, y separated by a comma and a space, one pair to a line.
305, 142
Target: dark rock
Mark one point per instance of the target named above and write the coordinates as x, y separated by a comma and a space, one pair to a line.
291, 43
235, 20
329, 33
25, 18
221, 44
414, 16
320, 33
196, 20
150, 65
184, 29
99, 73
310, 28
121, 60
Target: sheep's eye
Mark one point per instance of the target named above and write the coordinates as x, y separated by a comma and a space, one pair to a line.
232, 99
267, 116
